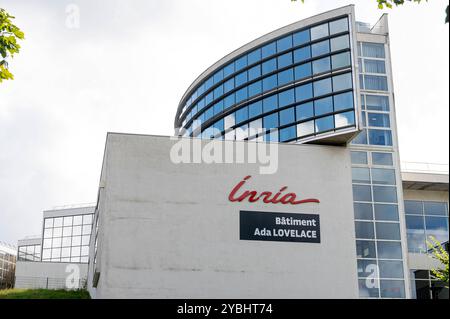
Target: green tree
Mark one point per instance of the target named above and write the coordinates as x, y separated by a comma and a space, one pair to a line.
389, 4
9, 36
439, 253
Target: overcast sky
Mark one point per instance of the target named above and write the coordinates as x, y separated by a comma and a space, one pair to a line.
128, 64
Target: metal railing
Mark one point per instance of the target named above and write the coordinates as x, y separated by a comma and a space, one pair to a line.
25, 282
424, 167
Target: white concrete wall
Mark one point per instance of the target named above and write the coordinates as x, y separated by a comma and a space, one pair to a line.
169, 231
50, 275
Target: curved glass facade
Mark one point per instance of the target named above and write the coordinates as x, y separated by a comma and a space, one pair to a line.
299, 84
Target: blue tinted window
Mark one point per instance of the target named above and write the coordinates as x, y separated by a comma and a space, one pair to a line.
342, 82
270, 121
303, 92
373, 50
302, 71
228, 70
305, 111
340, 60
385, 194
219, 125
285, 77
340, 43
254, 56
241, 63
241, 78
284, 43
344, 119
218, 76
255, 109
301, 37
380, 137
241, 95
201, 89
287, 116
388, 231
302, 54
363, 211
268, 50
324, 124
386, 212
358, 157
228, 101
322, 87
254, 72
288, 133
218, 107
362, 193
228, 85
201, 104
321, 65
286, 98
270, 83
323, 106
270, 103
343, 101
389, 250
378, 120
374, 66
285, 60
320, 48
209, 98
208, 83
255, 88
242, 115
269, 66
383, 176
338, 26
364, 230
361, 138
209, 113
218, 91
319, 31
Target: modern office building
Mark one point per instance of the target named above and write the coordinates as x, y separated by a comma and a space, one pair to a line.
7, 265
43, 260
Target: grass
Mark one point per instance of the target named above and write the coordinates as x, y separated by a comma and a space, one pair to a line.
43, 294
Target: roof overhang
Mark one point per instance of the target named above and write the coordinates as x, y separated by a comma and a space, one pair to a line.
425, 181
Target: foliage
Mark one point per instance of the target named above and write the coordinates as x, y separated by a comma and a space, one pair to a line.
9, 36
439, 253
43, 294
389, 4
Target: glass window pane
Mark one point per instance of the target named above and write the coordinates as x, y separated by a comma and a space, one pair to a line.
58, 222
255, 127
320, 48
358, 157
48, 222
255, 109
302, 71
287, 116
86, 229
240, 63
285, 98
321, 65
392, 289
374, 66
301, 37
254, 72
388, 230
386, 212
413, 207
241, 95
363, 211
68, 221
378, 120
344, 119
362, 193
390, 269
270, 103
303, 92
338, 26
255, 88
367, 289
342, 82
229, 121
57, 232
269, 66
340, 43
361, 138
319, 31
271, 121
254, 56
325, 124
322, 87
228, 85
229, 101
302, 54
416, 242
287, 133
389, 250
364, 230
380, 137
268, 50
373, 50
361, 175
377, 102
435, 208
437, 227
365, 249
284, 43
340, 60
284, 60
270, 82
305, 111
285, 77
383, 176
241, 115
375, 82
385, 194
323, 106
76, 241
241, 132
382, 159
306, 128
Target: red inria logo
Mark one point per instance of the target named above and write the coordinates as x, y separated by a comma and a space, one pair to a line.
267, 197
